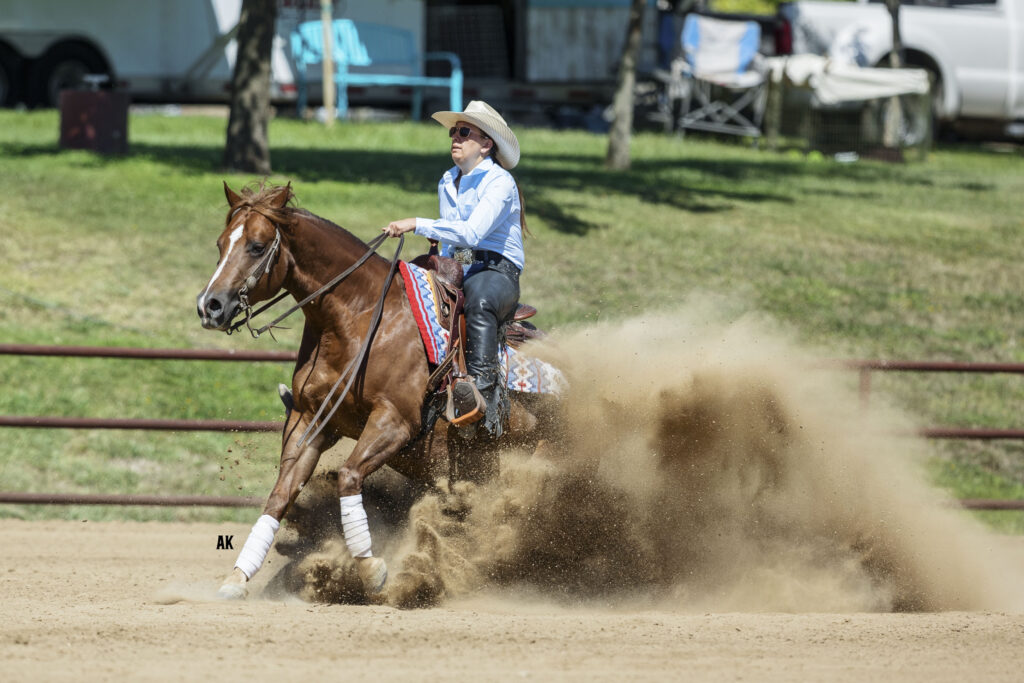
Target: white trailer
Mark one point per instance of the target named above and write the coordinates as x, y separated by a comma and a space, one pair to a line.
155, 50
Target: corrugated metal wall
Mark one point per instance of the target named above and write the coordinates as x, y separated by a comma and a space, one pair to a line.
581, 40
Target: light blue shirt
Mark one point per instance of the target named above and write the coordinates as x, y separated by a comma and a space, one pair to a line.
483, 213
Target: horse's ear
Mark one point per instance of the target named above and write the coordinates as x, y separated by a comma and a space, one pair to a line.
233, 198
282, 196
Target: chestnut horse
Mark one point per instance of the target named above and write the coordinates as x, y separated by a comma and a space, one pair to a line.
268, 245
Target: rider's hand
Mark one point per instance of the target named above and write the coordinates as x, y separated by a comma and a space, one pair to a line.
396, 228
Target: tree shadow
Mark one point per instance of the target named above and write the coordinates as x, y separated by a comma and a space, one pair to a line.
418, 172
693, 185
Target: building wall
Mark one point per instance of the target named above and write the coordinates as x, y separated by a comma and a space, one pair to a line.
582, 40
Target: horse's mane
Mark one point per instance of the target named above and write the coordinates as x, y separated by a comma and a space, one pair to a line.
263, 198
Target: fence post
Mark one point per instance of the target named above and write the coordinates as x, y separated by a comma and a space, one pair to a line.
865, 387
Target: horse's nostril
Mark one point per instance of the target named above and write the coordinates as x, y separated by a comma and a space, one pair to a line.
214, 305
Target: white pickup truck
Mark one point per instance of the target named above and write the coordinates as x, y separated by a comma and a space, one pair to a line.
974, 49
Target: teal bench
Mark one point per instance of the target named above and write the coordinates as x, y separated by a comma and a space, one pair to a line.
388, 50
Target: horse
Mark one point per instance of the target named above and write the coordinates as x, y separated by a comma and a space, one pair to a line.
269, 245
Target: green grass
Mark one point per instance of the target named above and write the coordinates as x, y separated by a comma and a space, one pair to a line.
918, 261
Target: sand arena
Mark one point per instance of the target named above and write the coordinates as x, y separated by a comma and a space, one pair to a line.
714, 510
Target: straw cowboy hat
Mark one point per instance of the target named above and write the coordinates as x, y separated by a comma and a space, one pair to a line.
481, 115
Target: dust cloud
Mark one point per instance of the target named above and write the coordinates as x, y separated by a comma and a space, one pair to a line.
704, 467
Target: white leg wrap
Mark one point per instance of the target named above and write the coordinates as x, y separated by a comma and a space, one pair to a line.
355, 526
257, 545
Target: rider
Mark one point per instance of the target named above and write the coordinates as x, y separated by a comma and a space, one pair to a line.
482, 222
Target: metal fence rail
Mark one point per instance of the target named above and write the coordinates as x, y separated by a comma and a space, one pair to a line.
127, 499
145, 354
139, 423
865, 367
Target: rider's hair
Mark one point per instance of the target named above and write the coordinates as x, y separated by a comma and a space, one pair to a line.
522, 204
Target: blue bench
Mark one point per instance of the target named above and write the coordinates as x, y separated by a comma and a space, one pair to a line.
371, 55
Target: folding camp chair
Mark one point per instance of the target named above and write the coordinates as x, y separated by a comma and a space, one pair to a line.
723, 90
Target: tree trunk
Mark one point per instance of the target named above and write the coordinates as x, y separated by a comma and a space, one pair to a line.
622, 126
248, 149
894, 110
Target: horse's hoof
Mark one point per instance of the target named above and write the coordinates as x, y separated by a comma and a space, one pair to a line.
234, 587
373, 572
230, 591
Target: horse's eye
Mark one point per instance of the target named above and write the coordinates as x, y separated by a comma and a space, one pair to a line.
257, 248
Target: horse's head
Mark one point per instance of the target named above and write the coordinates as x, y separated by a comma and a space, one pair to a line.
250, 268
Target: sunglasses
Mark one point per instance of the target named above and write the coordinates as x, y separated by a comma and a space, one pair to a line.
464, 132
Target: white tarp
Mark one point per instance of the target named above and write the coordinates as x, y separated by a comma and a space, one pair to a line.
833, 82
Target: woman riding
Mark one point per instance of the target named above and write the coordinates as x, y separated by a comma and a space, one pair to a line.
481, 221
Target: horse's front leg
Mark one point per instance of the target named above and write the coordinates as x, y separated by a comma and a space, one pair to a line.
386, 432
297, 465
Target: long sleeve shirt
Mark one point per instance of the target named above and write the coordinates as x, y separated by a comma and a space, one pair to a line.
482, 213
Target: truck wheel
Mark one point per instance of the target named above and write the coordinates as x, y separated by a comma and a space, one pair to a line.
10, 77
64, 66
938, 92
939, 122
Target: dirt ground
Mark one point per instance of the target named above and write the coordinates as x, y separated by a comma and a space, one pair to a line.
87, 601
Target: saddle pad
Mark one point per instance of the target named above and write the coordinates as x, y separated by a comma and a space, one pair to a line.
521, 372
419, 287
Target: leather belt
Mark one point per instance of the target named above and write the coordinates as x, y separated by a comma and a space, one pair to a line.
495, 261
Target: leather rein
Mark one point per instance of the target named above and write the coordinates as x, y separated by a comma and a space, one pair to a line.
268, 263
351, 371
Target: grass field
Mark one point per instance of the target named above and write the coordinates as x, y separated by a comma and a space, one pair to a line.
917, 261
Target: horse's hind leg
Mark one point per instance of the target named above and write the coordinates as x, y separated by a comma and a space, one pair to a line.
297, 465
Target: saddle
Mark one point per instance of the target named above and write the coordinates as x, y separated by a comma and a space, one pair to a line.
447, 286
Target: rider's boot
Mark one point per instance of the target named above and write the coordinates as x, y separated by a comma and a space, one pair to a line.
487, 386
468, 404
490, 298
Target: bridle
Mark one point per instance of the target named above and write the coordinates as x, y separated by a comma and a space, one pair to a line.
263, 268
265, 265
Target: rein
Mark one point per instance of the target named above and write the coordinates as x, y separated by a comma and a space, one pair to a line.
352, 369
250, 282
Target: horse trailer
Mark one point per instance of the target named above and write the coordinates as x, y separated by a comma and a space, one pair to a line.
157, 50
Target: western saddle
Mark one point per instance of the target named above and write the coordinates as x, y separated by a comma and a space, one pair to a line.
447, 284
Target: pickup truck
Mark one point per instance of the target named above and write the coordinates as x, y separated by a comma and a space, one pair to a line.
972, 49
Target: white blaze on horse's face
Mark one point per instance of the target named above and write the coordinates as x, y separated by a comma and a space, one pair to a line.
212, 303
233, 238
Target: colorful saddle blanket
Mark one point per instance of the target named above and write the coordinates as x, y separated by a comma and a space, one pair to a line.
521, 372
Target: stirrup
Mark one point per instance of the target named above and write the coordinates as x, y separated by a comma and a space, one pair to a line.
468, 415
